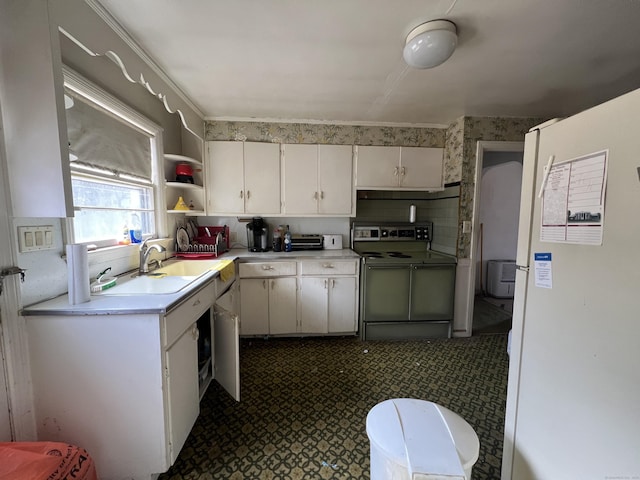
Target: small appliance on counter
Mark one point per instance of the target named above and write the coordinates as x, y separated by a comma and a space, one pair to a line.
306, 241
332, 242
257, 235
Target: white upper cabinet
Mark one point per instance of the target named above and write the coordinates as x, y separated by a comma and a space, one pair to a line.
32, 97
396, 168
317, 179
421, 167
242, 178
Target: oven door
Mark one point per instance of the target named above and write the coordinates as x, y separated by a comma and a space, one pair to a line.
386, 293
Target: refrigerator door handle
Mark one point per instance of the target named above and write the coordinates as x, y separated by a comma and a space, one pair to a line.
523, 268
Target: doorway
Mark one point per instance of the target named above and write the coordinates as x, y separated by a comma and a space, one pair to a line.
495, 226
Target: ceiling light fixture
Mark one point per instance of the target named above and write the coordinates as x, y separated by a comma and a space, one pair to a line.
430, 44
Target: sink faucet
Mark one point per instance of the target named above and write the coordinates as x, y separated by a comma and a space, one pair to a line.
145, 250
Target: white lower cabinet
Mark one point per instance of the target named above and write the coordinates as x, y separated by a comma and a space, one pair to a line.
267, 305
306, 297
328, 296
126, 387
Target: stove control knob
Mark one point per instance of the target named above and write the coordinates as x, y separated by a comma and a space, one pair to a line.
384, 233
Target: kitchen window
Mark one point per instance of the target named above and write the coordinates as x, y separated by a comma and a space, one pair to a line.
114, 161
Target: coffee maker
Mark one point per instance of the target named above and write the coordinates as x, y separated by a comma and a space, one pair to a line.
257, 235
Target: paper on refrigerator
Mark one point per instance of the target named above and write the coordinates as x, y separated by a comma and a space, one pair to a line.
573, 200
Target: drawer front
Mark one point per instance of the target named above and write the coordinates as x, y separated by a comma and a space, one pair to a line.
183, 316
267, 269
329, 267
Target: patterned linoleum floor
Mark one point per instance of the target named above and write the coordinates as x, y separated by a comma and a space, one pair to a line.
304, 405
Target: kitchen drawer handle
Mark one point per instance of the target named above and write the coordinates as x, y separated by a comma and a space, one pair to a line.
328, 265
267, 267
196, 303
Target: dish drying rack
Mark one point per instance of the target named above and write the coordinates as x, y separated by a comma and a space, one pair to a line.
209, 242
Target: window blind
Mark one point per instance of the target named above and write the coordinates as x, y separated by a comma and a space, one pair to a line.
101, 141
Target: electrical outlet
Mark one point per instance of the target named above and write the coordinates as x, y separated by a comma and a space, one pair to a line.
466, 226
233, 237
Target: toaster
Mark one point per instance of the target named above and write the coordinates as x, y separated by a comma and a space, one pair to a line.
332, 242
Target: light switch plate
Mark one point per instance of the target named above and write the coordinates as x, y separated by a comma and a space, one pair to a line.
32, 239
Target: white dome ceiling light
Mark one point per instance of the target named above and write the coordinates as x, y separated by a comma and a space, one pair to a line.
430, 44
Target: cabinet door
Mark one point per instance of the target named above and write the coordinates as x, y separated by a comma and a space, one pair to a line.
300, 177
254, 306
224, 177
432, 292
335, 179
377, 167
182, 389
227, 350
342, 304
282, 305
262, 178
421, 167
314, 304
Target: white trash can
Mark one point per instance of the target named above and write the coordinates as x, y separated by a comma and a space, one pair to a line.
411, 438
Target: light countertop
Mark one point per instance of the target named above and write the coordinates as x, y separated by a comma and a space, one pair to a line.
132, 304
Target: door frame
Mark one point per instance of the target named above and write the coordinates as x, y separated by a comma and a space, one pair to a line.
14, 353
482, 146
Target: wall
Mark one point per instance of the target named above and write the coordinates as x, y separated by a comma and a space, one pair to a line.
460, 158
499, 210
325, 134
46, 270
441, 208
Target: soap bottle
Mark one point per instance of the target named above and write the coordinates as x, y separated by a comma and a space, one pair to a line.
288, 246
125, 240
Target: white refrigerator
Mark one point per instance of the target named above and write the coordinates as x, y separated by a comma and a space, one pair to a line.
573, 397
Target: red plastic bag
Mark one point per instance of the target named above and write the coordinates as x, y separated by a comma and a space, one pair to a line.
45, 461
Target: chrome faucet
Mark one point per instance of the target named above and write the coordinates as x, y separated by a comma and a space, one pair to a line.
145, 250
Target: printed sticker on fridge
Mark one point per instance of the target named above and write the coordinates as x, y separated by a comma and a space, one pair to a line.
542, 269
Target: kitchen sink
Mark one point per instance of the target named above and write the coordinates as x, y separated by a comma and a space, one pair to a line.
170, 278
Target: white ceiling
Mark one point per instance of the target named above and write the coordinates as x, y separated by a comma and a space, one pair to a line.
341, 60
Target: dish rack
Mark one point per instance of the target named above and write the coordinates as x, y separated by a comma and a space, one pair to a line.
209, 242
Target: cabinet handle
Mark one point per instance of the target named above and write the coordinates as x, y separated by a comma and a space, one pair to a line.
267, 267
328, 265
248, 194
395, 171
333, 283
264, 284
273, 284
241, 194
195, 333
321, 195
326, 284
196, 303
403, 171
315, 195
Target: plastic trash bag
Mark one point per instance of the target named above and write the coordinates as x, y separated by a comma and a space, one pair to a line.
45, 461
